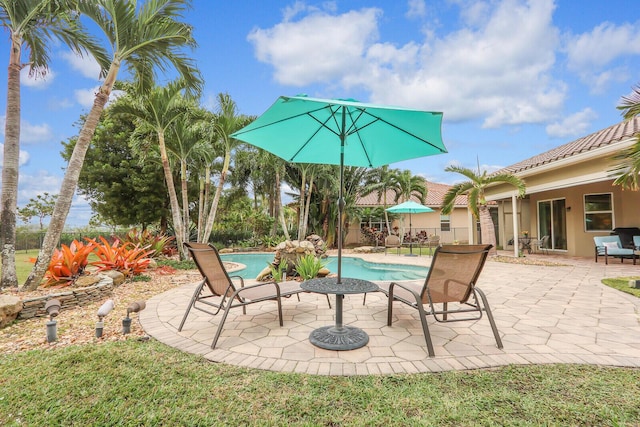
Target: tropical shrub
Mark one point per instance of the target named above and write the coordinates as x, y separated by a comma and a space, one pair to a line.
67, 264
308, 266
127, 258
159, 244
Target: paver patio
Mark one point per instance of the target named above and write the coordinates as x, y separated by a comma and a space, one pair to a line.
545, 314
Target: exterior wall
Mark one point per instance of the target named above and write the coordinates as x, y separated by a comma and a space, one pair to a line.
579, 241
428, 221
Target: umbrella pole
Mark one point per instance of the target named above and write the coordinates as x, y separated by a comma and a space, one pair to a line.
340, 196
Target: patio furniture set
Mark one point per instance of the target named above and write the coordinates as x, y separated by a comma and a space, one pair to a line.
448, 293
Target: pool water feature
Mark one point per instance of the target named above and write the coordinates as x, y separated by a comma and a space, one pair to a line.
351, 267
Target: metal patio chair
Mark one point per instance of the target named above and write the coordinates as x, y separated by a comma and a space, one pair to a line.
217, 291
449, 292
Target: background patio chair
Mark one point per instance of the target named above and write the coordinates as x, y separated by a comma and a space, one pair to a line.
392, 242
611, 246
543, 244
449, 292
221, 293
636, 243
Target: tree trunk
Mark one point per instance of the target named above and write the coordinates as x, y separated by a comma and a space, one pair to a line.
216, 198
70, 181
301, 203
185, 198
487, 229
279, 205
10, 167
173, 197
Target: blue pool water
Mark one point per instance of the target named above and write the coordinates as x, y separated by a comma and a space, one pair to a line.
351, 267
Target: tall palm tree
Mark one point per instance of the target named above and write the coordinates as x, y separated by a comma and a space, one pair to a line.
227, 120
381, 180
144, 39
474, 189
33, 25
408, 185
155, 111
628, 170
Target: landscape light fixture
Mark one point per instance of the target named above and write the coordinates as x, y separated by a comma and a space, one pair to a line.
52, 307
102, 312
134, 307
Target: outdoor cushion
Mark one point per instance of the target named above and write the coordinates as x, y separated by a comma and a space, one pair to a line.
611, 245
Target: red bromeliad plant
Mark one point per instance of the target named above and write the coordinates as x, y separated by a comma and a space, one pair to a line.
127, 258
67, 264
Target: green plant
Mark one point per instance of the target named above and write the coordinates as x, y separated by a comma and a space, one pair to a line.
159, 244
308, 266
278, 271
127, 258
186, 264
67, 264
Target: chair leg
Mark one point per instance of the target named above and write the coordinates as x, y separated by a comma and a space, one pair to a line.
193, 301
328, 300
425, 329
487, 309
222, 320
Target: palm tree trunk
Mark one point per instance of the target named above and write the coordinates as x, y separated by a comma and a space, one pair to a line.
307, 207
216, 198
70, 181
279, 207
173, 196
301, 203
10, 168
487, 229
185, 199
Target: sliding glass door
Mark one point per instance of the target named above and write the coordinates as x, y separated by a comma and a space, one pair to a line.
552, 222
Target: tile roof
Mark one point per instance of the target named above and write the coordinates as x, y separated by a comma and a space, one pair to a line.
435, 195
602, 138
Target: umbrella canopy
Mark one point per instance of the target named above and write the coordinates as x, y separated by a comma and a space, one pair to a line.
409, 207
300, 129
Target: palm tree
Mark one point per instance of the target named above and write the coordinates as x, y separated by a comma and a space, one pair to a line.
33, 25
381, 180
474, 189
142, 38
629, 167
408, 185
226, 122
155, 111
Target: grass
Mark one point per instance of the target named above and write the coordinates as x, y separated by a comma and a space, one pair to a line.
24, 264
622, 284
147, 383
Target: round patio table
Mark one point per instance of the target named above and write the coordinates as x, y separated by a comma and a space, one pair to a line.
338, 336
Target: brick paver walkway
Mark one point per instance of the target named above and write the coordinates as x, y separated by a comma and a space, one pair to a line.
545, 314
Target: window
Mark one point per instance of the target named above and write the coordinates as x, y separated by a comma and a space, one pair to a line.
445, 222
598, 212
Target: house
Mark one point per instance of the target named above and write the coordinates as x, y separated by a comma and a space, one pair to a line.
570, 193
450, 228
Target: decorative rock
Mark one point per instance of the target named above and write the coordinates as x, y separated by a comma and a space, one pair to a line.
86, 281
116, 276
10, 306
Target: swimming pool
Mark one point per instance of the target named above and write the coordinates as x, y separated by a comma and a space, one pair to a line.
351, 267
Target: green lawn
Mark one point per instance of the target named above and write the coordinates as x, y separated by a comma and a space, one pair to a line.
148, 383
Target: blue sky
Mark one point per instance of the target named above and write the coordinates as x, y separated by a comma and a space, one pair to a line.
513, 78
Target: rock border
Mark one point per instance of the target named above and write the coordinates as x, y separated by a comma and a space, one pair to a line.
34, 307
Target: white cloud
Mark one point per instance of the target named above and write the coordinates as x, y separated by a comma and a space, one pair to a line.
86, 65
592, 55
39, 79
498, 68
318, 47
416, 9
575, 125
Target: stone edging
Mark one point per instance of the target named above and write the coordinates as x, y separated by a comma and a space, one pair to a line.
34, 307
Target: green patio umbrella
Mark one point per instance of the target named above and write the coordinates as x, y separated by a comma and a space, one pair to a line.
409, 207
301, 129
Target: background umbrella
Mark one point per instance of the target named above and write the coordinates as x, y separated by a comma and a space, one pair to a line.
300, 129
409, 207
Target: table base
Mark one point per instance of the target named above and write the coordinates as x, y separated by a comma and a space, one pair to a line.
343, 338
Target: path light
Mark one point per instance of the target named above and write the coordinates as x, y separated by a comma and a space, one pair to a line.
52, 307
134, 307
102, 312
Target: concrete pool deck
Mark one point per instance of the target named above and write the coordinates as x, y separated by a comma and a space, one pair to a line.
545, 314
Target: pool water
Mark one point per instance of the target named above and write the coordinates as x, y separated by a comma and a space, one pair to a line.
351, 267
